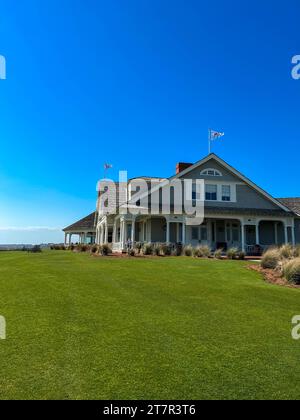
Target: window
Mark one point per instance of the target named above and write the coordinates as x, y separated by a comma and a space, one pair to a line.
195, 195
226, 193
235, 233
195, 233
211, 172
210, 192
203, 235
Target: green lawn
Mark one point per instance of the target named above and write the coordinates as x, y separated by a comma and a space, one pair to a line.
165, 328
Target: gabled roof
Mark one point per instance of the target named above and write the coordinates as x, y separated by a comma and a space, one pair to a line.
87, 223
235, 172
293, 203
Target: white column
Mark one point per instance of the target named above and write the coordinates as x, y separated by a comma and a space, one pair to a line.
293, 235
114, 232
286, 239
168, 232
106, 233
70, 238
243, 236
276, 232
123, 239
257, 233
133, 230
66, 238
183, 232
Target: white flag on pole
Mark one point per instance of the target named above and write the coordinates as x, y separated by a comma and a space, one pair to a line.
214, 135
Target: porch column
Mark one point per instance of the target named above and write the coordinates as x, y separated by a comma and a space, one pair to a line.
243, 236
106, 233
66, 238
293, 235
122, 230
168, 232
133, 230
257, 233
183, 233
286, 238
70, 238
276, 232
114, 232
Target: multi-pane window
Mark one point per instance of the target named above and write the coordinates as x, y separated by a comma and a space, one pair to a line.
226, 193
211, 172
210, 192
195, 233
203, 235
195, 194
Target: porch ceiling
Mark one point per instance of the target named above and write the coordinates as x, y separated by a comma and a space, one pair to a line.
247, 211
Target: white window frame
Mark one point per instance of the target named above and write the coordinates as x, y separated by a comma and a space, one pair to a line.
215, 172
223, 195
211, 185
220, 185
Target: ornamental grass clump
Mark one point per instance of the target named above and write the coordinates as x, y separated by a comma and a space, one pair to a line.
232, 253
291, 271
157, 250
287, 252
218, 254
271, 259
188, 251
147, 249
104, 250
166, 250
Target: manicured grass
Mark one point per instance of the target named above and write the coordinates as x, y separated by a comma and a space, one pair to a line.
165, 328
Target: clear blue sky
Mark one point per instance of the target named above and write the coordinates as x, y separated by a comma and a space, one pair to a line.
137, 83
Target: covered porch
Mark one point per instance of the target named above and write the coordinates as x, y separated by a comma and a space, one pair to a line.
247, 234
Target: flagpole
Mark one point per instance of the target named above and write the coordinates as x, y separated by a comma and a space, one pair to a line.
209, 141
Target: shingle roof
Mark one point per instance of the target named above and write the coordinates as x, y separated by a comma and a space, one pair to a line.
87, 223
292, 203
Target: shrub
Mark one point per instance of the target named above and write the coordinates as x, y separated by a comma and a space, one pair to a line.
131, 252
177, 251
94, 249
166, 250
205, 251
297, 251
197, 252
241, 255
291, 271
188, 251
156, 249
286, 252
35, 249
202, 251
83, 248
104, 249
232, 253
218, 253
147, 249
271, 259
138, 247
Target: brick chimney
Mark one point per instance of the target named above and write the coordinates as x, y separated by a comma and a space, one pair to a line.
181, 166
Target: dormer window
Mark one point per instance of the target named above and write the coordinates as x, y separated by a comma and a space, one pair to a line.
211, 172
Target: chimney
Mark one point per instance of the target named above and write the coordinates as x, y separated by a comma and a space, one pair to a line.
181, 166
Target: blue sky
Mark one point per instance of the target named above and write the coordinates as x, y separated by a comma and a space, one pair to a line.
137, 83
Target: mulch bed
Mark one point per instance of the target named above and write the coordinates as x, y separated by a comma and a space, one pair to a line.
273, 276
